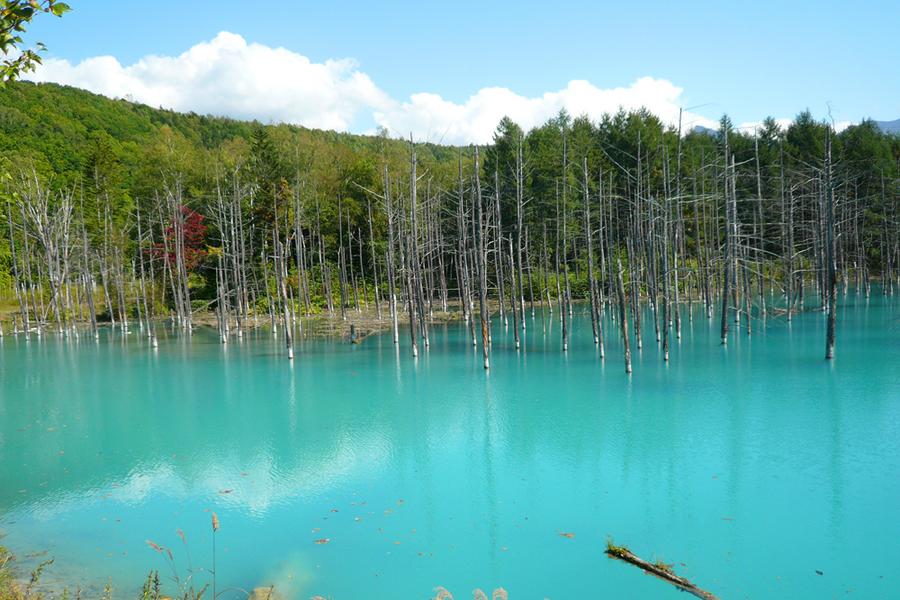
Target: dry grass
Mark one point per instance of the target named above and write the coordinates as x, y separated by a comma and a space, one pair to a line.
664, 566
618, 551
13, 588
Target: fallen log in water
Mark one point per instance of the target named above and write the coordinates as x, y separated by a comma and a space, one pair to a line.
659, 569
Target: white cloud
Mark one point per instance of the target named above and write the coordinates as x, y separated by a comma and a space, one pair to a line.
436, 119
228, 76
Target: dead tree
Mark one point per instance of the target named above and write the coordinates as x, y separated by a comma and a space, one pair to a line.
830, 267
481, 264
623, 316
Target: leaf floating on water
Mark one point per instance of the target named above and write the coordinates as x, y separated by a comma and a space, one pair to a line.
316, 530
567, 534
322, 541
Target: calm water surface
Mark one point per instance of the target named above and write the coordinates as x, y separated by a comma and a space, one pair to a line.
750, 467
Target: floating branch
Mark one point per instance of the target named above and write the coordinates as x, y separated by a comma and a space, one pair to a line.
660, 569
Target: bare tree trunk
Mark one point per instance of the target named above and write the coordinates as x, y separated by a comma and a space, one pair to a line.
409, 262
391, 266
831, 280
520, 185
374, 262
499, 246
623, 317
635, 304
482, 266
280, 276
21, 294
512, 294
727, 261
590, 252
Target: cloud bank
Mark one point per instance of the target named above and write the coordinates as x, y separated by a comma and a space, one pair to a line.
228, 76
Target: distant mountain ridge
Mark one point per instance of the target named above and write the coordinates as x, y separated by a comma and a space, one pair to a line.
704, 130
890, 127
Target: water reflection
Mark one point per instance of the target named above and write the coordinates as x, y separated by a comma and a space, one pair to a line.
429, 471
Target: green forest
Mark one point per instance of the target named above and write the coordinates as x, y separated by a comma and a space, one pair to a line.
159, 213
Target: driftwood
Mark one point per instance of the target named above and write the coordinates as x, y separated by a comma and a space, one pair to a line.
659, 569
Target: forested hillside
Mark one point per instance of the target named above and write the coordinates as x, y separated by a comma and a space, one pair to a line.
158, 212
117, 154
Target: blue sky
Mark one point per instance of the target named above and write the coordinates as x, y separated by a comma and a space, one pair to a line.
749, 59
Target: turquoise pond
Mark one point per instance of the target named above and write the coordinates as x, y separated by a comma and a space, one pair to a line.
750, 467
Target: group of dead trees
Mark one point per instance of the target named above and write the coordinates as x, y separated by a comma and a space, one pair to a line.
635, 241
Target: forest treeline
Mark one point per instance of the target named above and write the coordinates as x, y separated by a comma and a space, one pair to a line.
116, 211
